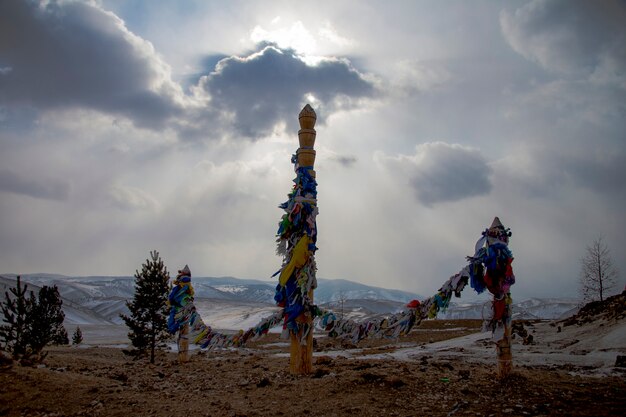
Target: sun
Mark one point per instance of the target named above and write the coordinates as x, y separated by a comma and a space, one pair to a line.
286, 36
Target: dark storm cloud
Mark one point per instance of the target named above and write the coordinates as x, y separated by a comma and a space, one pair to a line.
575, 37
544, 172
440, 172
577, 117
261, 90
38, 188
78, 55
601, 173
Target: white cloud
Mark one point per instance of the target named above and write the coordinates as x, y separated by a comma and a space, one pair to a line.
327, 31
413, 76
132, 198
295, 37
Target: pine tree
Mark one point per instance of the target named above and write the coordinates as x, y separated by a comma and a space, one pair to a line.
16, 312
77, 337
46, 324
148, 309
32, 323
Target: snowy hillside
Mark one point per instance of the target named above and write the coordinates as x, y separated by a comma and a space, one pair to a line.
532, 308
84, 289
333, 289
231, 303
234, 315
364, 307
225, 303
75, 313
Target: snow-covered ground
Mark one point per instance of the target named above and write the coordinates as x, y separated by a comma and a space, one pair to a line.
229, 315
590, 349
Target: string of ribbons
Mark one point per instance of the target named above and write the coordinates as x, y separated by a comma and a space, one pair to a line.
489, 268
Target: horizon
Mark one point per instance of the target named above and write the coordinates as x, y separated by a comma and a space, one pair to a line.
468, 296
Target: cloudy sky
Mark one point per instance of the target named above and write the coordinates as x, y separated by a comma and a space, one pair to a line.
132, 125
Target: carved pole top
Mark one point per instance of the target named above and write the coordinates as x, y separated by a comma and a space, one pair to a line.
307, 117
496, 224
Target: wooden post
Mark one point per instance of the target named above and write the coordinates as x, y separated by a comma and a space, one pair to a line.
183, 344
503, 346
301, 354
500, 289
301, 359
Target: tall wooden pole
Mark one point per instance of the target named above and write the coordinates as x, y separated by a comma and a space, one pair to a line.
301, 358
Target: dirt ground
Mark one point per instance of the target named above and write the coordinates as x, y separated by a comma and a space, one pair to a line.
99, 381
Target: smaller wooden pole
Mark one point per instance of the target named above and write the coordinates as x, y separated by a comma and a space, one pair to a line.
183, 344
503, 346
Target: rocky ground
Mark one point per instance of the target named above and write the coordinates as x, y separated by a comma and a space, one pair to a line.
373, 379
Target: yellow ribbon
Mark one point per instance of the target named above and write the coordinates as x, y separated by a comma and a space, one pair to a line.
299, 257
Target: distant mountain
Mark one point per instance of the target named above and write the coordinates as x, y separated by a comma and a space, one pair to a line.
75, 313
532, 308
239, 289
83, 289
101, 299
330, 290
363, 309
549, 308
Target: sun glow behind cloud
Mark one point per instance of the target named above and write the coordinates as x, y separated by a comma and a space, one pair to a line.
294, 36
312, 45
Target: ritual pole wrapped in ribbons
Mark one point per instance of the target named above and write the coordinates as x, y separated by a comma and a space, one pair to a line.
491, 269
181, 301
297, 235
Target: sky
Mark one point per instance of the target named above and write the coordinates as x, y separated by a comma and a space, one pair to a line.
133, 125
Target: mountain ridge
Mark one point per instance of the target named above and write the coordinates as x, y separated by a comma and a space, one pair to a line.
212, 287
101, 299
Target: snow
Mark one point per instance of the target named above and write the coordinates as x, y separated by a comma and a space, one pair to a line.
541, 308
592, 348
229, 315
233, 289
94, 304
78, 316
589, 349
